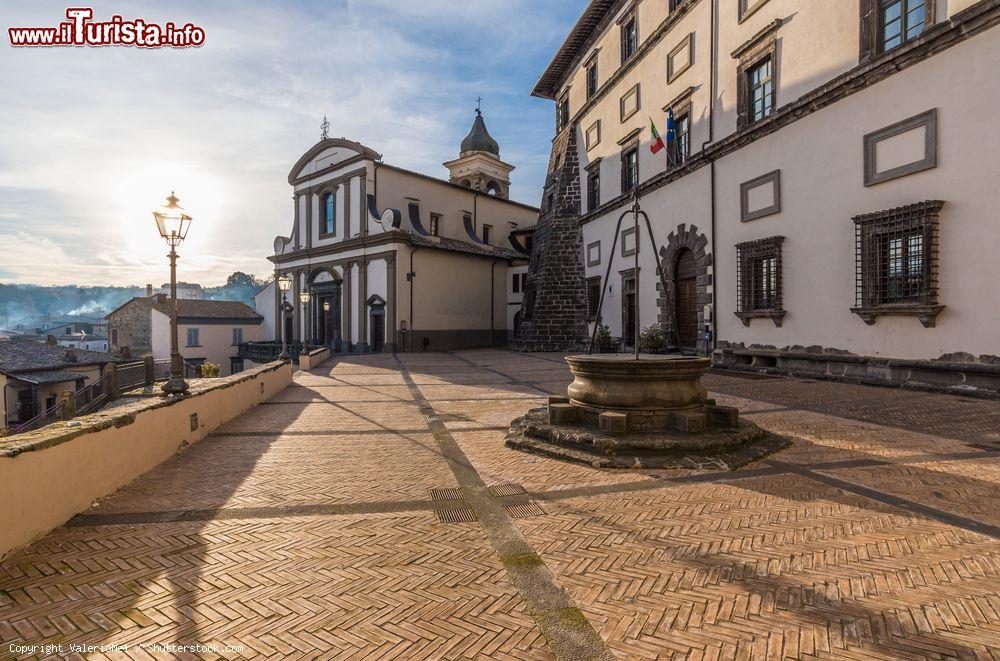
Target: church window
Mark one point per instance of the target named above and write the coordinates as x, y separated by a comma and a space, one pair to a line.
329, 213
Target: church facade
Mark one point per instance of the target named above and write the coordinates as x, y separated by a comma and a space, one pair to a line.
825, 207
394, 260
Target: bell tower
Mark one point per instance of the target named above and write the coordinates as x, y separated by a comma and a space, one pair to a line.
478, 165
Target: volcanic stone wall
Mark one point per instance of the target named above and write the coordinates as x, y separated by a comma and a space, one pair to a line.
554, 312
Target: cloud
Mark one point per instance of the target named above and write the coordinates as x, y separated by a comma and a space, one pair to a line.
94, 137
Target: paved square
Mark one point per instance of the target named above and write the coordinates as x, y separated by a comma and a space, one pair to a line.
308, 528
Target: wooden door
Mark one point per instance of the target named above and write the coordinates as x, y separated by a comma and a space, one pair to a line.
686, 303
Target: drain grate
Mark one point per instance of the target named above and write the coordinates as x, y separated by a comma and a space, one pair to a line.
507, 490
456, 515
525, 510
450, 493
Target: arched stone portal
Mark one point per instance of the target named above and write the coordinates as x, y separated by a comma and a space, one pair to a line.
325, 308
685, 264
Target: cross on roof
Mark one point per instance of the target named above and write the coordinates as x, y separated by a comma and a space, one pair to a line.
324, 129
479, 104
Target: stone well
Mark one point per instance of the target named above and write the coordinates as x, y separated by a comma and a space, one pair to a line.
648, 390
647, 412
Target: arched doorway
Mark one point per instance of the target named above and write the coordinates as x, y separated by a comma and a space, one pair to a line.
326, 287
686, 299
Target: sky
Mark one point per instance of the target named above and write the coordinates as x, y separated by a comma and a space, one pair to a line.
93, 139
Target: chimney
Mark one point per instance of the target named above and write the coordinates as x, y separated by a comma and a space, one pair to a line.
70, 356
161, 299
149, 291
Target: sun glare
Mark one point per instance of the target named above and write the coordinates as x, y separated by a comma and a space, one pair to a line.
137, 192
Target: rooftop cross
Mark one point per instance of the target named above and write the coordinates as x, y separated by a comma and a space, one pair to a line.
324, 129
479, 105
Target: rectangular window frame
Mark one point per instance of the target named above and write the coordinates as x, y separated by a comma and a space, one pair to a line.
763, 46
487, 232
928, 120
592, 78
629, 46
194, 333
434, 223
238, 336
632, 149
593, 135
594, 185
594, 253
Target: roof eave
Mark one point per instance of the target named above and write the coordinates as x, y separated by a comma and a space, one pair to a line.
591, 18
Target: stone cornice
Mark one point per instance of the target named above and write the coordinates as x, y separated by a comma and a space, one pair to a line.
938, 38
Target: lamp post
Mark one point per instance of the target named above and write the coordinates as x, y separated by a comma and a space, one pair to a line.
304, 297
284, 284
173, 223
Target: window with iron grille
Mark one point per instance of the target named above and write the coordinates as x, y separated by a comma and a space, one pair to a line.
758, 284
593, 297
896, 263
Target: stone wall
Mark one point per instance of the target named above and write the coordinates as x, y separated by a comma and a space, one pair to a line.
956, 373
554, 312
58, 471
134, 323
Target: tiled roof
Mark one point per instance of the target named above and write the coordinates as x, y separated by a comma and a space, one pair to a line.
38, 356
218, 310
456, 245
50, 376
579, 37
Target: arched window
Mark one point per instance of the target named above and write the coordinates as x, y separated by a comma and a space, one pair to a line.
493, 188
330, 213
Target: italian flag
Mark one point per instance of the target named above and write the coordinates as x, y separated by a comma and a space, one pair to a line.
658, 144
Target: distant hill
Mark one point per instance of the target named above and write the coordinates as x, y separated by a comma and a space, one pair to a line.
28, 304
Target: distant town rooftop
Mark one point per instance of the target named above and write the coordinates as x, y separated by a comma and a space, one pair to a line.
193, 310
35, 356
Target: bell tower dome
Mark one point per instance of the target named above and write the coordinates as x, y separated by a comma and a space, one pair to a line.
478, 165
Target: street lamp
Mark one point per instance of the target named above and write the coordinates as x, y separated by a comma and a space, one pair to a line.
284, 284
173, 223
306, 321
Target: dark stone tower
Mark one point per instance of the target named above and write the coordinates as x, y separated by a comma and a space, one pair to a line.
554, 312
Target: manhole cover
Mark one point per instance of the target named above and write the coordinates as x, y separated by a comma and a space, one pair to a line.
507, 490
457, 515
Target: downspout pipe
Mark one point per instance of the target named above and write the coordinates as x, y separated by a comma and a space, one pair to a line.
411, 277
713, 63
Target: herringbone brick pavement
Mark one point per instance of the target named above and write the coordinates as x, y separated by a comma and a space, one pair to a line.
900, 558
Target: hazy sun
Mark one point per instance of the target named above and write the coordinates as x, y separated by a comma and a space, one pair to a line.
135, 193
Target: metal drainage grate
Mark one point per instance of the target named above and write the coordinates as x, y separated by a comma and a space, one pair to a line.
525, 510
450, 493
456, 515
507, 490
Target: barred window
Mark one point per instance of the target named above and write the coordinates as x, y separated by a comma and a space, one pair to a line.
758, 285
896, 262
593, 297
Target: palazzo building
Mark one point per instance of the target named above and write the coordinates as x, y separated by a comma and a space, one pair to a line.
394, 260
828, 205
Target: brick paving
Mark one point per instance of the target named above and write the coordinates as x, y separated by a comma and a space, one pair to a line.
307, 528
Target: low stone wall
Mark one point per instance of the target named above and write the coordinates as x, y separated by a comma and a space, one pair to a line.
961, 374
308, 361
50, 475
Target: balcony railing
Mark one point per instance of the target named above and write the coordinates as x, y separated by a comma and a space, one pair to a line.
268, 352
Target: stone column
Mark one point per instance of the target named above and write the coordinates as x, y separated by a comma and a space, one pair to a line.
390, 304
363, 305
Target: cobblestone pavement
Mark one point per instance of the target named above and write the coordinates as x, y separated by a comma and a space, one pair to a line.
371, 511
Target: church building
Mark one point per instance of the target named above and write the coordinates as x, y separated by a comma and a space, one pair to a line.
385, 259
